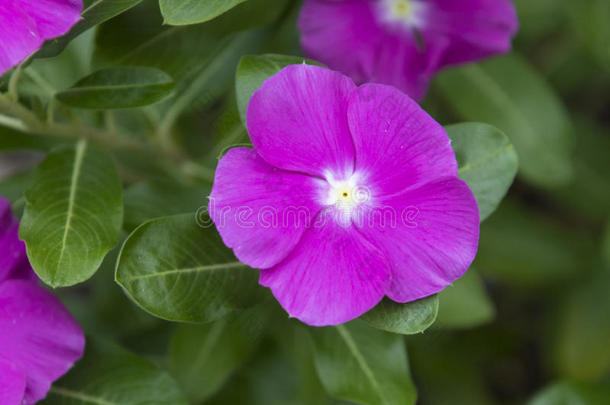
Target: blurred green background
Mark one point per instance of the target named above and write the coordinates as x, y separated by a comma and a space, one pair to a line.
531, 325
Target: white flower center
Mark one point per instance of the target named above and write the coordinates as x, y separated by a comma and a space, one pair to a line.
405, 13
345, 196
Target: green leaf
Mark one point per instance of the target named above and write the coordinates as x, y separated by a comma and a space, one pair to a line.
253, 70
507, 93
362, 364
572, 393
73, 214
487, 162
589, 20
465, 304
606, 246
124, 87
202, 357
527, 248
407, 319
110, 375
13, 187
154, 199
94, 12
184, 12
582, 330
179, 270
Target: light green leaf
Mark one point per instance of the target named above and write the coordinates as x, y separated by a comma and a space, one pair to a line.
362, 364
73, 214
253, 70
124, 87
573, 393
184, 12
202, 357
487, 162
154, 199
94, 12
180, 270
407, 319
465, 304
508, 93
110, 375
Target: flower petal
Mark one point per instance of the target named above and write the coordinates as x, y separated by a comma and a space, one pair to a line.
365, 48
12, 384
334, 275
19, 36
297, 121
39, 336
260, 211
354, 32
53, 17
398, 145
13, 259
430, 238
475, 28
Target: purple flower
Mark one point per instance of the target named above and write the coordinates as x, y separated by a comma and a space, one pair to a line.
39, 339
404, 42
26, 24
350, 193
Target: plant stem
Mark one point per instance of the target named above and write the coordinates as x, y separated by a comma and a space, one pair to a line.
16, 116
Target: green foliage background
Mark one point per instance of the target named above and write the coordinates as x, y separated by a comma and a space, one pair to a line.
129, 113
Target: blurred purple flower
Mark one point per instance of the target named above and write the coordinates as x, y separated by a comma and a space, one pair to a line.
403, 43
39, 339
350, 193
26, 24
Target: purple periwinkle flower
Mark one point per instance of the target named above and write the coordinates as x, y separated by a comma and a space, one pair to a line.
349, 195
26, 24
404, 42
39, 339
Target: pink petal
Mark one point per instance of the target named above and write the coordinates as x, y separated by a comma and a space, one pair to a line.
297, 121
13, 260
19, 36
398, 145
366, 50
12, 384
26, 24
334, 275
475, 28
39, 336
430, 241
260, 211
53, 17
354, 32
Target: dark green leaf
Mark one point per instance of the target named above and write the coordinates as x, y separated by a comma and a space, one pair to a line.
507, 93
95, 12
582, 332
362, 364
407, 319
179, 270
487, 162
253, 70
202, 357
110, 375
125, 87
184, 12
527, 248
465, 303
154, 199
573, 393
73, 214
